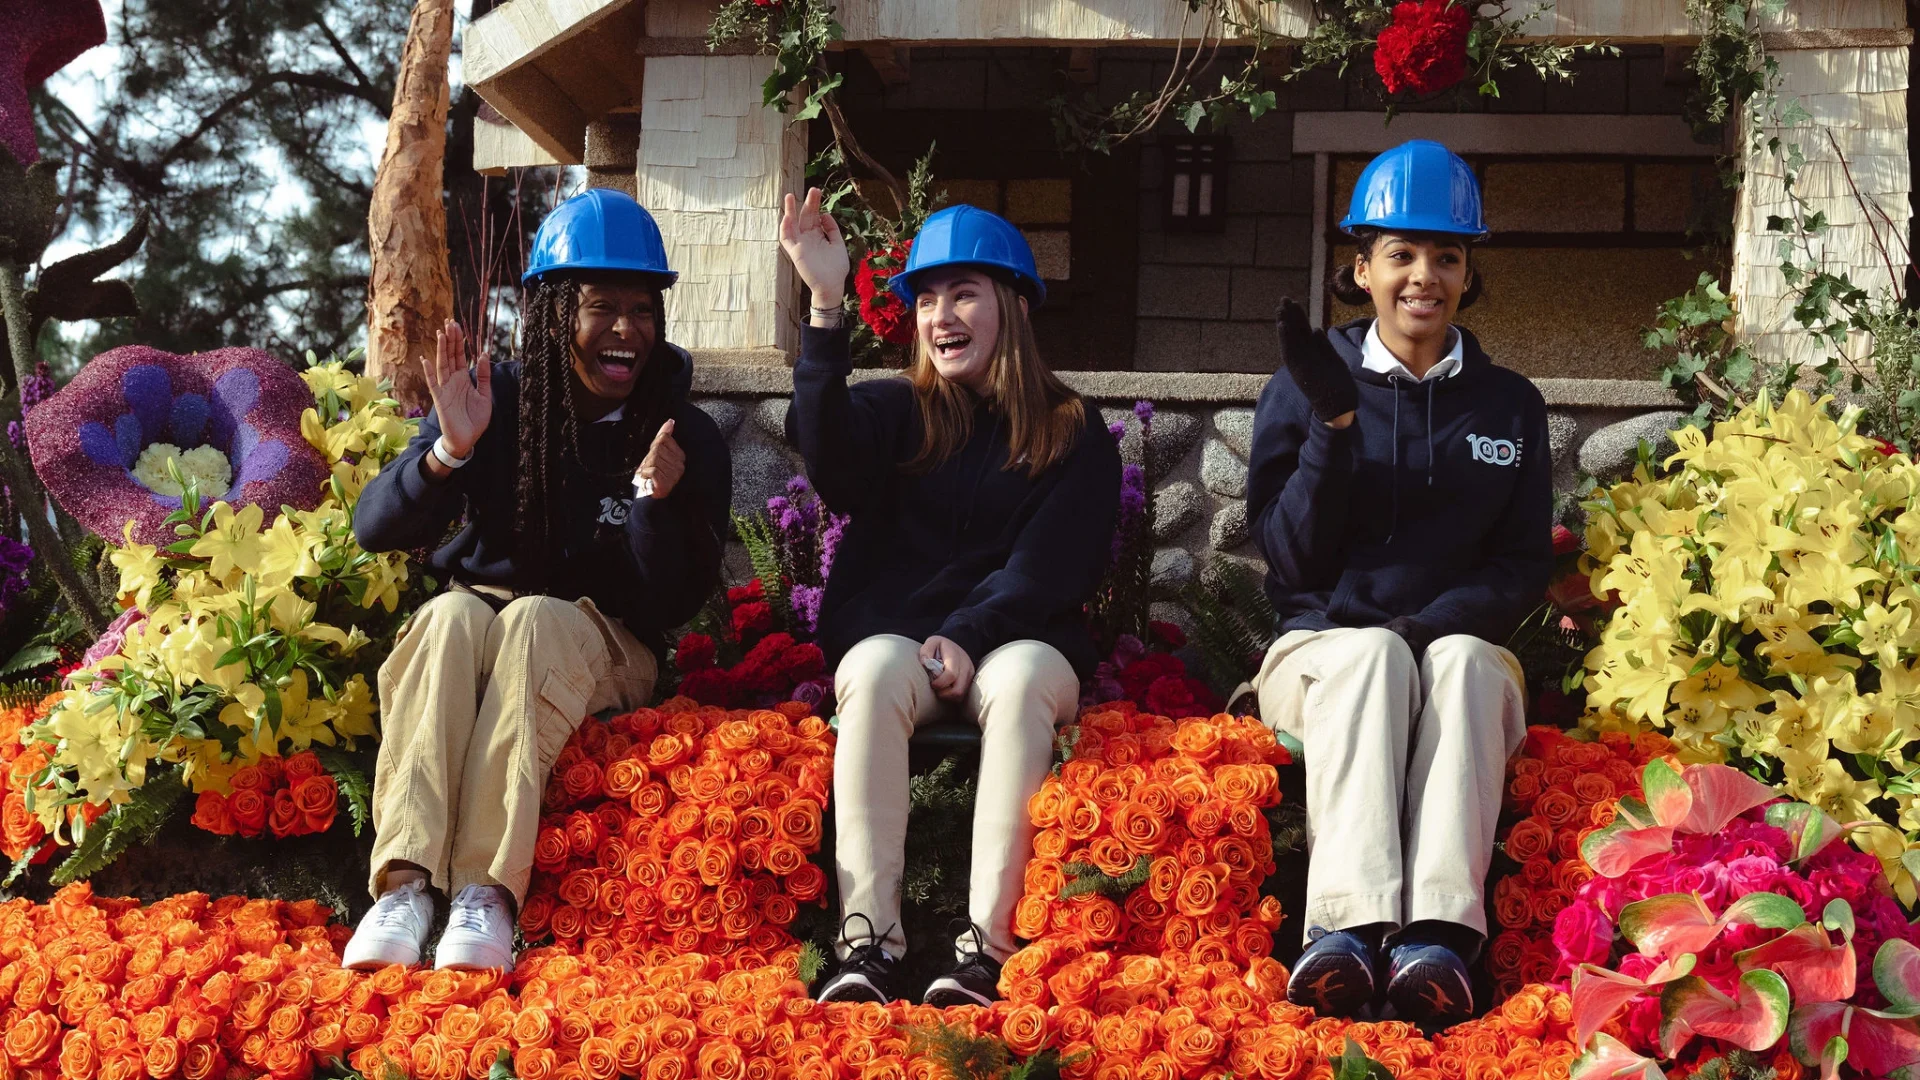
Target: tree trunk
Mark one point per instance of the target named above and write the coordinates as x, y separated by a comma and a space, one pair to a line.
410, 293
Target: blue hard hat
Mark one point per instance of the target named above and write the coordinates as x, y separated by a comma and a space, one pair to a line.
1418, 186
599, 229
965, 235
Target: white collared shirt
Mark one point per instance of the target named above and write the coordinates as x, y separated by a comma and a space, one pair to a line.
1375, 356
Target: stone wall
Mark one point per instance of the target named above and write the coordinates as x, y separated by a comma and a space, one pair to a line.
1201, 442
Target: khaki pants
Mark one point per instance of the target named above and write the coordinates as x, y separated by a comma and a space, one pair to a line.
1020, 692
1406, 766
476, 707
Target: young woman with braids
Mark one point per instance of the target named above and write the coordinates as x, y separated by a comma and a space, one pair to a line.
596, 503
983, 496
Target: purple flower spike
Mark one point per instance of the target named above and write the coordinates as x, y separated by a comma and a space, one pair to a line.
1117, 429
38, 38
1144, 410
243, 402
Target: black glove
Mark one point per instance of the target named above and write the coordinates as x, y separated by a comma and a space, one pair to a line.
1316, 369
1416, 634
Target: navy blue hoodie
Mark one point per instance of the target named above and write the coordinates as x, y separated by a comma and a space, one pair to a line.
970, 551
648, 562
1436, 503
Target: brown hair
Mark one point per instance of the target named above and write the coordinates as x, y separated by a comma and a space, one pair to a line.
1348, 291
1045, 415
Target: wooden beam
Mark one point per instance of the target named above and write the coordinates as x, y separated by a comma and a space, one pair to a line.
1884, 37
893, 65
499, 146
532, 103
521, 32
1082, 67
1499, 133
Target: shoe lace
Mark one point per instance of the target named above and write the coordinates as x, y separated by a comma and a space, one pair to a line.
870, 950
474, 909
977, 957
395, 908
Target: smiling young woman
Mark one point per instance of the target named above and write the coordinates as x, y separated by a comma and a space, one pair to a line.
983, 505
595, 496
1400, 490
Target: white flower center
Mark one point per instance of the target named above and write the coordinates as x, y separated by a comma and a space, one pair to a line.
203, 466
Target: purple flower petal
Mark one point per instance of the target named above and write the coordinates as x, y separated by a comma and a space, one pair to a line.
260, 463
189, 420
127, 433
234, 395
99, 445
149, 393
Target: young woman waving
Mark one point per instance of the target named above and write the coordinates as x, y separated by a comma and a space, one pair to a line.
983, 500
596, 502
1400, 490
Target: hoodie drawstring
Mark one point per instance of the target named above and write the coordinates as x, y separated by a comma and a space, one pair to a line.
1431, 383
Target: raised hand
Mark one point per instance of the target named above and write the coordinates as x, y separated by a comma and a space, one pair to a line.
664, 464
812, 239
462, 404
1317, 370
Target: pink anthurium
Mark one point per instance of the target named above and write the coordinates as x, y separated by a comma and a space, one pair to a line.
1676, 923
1816, 968
1807, 827
1609, 1059
1599, 994
1753, 1021
1720, 794
1896, 971
1870, 1041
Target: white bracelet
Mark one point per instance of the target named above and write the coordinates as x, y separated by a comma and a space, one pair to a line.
445, 455
833, 316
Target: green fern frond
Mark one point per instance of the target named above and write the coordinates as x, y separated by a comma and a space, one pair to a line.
136, 821
352, 782
1083, 878
760, 538
1232, 621
1045, 1065
25, 692
20, 864
958, 1055
810, 963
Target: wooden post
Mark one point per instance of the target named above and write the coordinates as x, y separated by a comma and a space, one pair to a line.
410, 293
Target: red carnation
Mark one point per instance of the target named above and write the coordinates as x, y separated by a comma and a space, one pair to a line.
709, 686
803, 662
694, 653
1565, 540
742, 594
1425, 50
1166, 635
1136, 677
752, 619
883, 312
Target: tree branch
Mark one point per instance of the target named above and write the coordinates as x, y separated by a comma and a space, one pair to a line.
340, 50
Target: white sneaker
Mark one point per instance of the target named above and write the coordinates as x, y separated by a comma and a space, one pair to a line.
394, 932
479, 932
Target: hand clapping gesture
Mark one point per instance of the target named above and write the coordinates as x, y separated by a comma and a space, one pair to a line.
462, 403
812, 239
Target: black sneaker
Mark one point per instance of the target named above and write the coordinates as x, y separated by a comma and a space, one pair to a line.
975, 981
1334, 976
867, 972
1429, 985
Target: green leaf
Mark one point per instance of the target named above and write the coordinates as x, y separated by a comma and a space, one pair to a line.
20, 864
352, 781
810, 963
28, 658
1083, 878
1354, 1064
502, 1067
136, 821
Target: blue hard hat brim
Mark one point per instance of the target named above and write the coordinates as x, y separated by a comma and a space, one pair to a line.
665, 278
1032, 288
1410, 223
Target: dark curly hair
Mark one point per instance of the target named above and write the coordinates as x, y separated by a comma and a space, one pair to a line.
1348, 291
549, 431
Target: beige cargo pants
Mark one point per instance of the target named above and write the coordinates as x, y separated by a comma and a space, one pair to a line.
1406, 765
475, 707
1021, 691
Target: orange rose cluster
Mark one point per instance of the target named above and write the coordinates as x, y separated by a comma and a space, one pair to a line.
683, 829
1560, 789
20, 828
292, 796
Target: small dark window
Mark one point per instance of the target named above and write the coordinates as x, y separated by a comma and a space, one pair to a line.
1196, 188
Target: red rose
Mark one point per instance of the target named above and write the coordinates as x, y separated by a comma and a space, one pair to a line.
1565, 540
1573, 593
694, 653
710, 686
283, 819
302, 765
1166, 635
880, 309
1136, 677
249, 809
753, 618
210, 813
317, 798
1425, 50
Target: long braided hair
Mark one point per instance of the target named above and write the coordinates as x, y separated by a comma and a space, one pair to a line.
549, 431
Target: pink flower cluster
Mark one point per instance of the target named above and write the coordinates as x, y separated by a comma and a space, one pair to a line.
1748, 856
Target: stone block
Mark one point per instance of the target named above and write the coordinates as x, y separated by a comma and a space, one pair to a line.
1221, 471
1240, 346
1232, 246
1184, 292
1561, 431
1256, 293
1177, 507
1610, 452
1174, 436
761, 470
1120, 78
770, 416
1229, 528
1520, 92
1235, 428
1172, 568
1648, 90
726, 415
1264, 186
1318, 90
1046, 201
1165, 343
1269, 138
1285, 240
1019, 79
942, 83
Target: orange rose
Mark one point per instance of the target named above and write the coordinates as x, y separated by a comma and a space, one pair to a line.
250, 778
1528, 838
649, 800
1100, 918
1206, 819
20, 828
784, 858
32, 1038
532, 1029
302, 766
249, 809
204, 1061
1557, 806
78, 1061
807, 884
1024, 1030
286, 1023
538, 1063
283, 814
1110, 855
1051, 844
1199, 889
1163, 878
1136, 826
164, 1057
716, 862
1194, 1047
1158, 1065
673, 1066
317, 797
799, 822
1513, 904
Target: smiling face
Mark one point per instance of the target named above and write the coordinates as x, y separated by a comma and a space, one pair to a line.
957, 317
612, 337
1416, 282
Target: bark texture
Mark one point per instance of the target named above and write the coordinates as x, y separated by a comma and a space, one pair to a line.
410, 293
